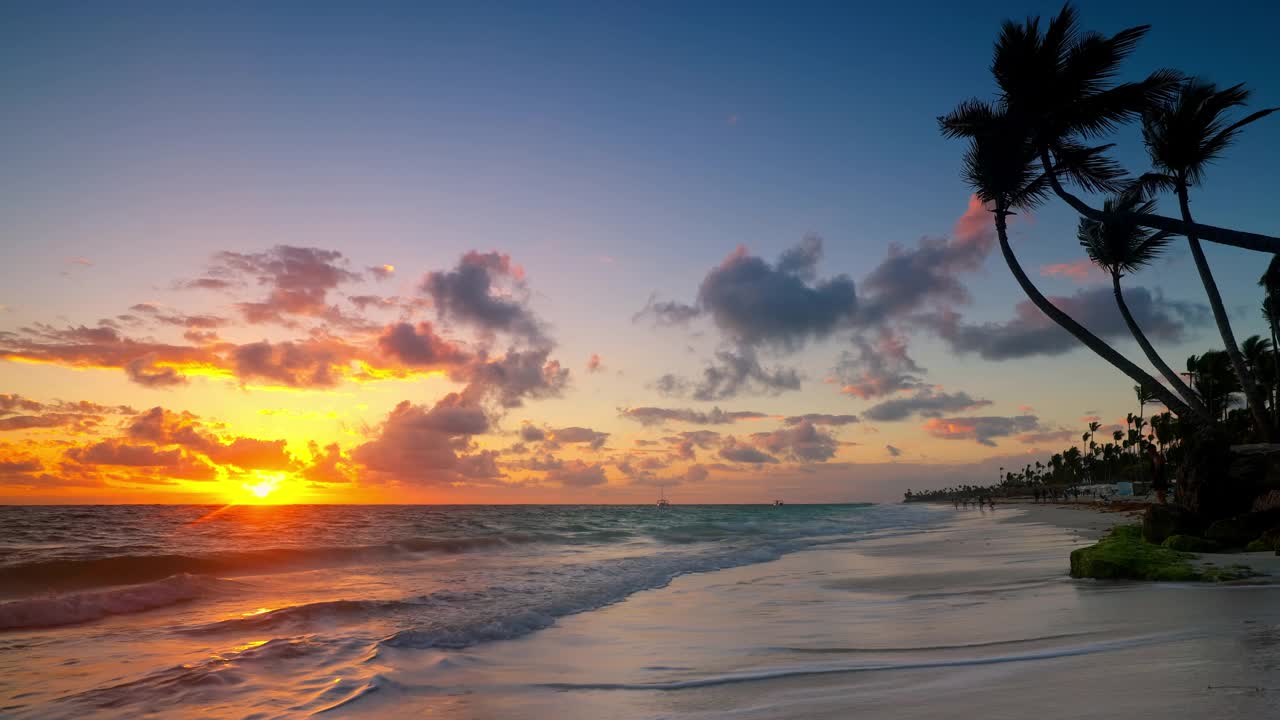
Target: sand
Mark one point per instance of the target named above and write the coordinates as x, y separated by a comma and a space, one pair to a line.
974, 617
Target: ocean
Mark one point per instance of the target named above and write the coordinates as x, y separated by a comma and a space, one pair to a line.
562, 612
185, 596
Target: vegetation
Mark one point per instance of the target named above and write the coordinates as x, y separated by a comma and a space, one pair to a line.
1043, 136
1123, 555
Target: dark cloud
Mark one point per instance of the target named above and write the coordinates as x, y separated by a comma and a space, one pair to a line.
715, 416
116, 452
754, 303
364, 303
381, 272
893, 451
423, 445
515, 377
144, 371
298, 280
21, 413
878, 368
666, 313
981, 429
925, 403
738, 372
300, 364
735, 451
821, 419
577, 474
485, 291
419, 346
802, 442
165, 428
583, 435
909, 279
532, 433
1030, 332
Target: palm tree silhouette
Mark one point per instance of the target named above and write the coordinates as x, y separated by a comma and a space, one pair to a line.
999, 165
1183, 134
1256, 351
1061, 83
1145, 398
1120, 247
1270, 281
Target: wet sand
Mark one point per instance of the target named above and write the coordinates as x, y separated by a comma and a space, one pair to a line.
973, 618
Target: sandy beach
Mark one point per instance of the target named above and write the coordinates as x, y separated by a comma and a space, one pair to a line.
973, 618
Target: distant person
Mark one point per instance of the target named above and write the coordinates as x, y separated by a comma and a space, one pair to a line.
991, 501
1159, 482
1075, 494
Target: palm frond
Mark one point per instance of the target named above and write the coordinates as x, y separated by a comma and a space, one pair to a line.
967, 119
1089, 167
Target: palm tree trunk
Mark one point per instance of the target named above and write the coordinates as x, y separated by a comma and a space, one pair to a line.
1193, 400
1251, 392
1093, 342
1275, 370
1211, 233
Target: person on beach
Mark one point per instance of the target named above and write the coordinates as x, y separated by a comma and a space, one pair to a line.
1159, 482
1037, 494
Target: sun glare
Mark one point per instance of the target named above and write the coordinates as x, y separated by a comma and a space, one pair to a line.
266, 485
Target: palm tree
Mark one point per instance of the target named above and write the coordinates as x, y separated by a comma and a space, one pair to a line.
1270, 281
999, 166
1060, 83
1183, 134
1120, 247
1144, 398
1257, 355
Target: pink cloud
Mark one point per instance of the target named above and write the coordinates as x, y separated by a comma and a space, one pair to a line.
1081, 271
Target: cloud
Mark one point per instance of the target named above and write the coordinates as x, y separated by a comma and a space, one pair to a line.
735, 451
165, 428
21, 413
1030, 332
579, 435
422, 445
329, 465
532, 433
909, 279
514, 377
821, 419
893, 451
736, 372
925, 403
755, 303
143, 371
594, 363
657, 416
668, 313
803, 442
1048, 436
381, 272
116, 452
980, 429
419, 346
577, 474
1081, 271
298, 280
879, 368
485, 291
295, 364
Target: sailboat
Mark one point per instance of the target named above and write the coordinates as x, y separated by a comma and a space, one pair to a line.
663, 503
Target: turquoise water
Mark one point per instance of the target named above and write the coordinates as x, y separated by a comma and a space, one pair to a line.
182, 606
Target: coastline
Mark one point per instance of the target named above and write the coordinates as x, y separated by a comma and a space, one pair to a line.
973, 616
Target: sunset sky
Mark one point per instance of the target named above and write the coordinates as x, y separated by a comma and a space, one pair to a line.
553, 253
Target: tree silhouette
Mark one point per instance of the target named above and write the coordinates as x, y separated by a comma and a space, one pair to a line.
999, 166
1183, 134
1120, 247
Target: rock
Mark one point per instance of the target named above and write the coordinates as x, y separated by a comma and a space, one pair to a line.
1239, 530
1192, 544
1123, 555
1258, 545
1161, 521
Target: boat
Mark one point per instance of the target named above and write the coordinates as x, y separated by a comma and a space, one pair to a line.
663, 503
778, 503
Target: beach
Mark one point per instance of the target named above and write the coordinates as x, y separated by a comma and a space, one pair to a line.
908, 612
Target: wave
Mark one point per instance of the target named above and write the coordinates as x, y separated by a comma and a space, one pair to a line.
832, 669
83, 607
76, 574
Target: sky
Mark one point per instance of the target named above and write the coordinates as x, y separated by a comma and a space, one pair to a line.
555, 252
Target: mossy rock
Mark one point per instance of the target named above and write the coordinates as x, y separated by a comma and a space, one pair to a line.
1191, 543
1258, 545
1123, 555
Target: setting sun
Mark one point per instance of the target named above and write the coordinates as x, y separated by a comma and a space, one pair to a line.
267, 485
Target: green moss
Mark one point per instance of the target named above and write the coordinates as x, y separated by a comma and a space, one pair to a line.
1124, 555
1258, 545
1190, 543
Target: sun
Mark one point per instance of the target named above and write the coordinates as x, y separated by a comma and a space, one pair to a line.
267, 484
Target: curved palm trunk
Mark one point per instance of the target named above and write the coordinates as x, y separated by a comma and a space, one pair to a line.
1222, 236
1093, 342
1275, 369
1175, 381
1251, 392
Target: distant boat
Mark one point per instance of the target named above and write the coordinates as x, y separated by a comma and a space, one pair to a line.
663, 503
778, 503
